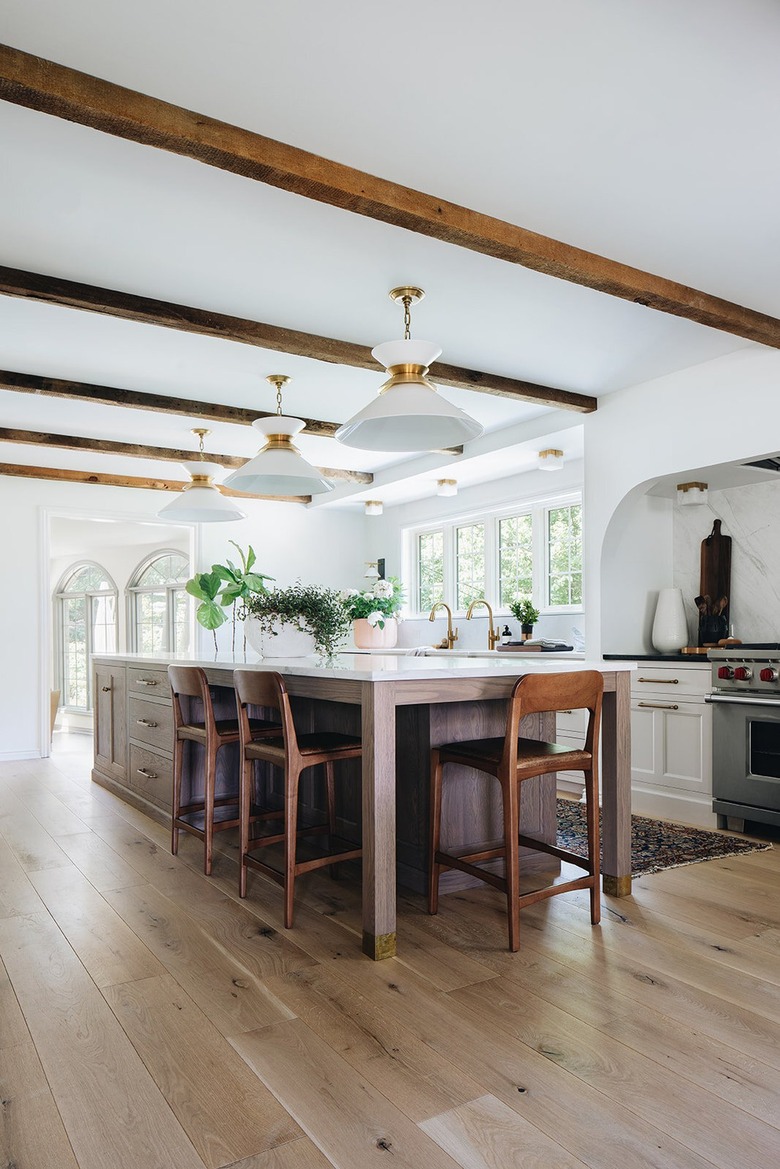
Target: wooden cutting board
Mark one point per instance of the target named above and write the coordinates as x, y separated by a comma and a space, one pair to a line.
715, 578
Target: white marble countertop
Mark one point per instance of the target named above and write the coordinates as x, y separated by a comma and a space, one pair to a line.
385, 667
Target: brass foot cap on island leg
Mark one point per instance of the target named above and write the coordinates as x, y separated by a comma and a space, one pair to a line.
617, 886
379, 946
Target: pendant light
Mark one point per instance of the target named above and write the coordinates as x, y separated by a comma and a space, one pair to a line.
201, 502
408, 414
278, 468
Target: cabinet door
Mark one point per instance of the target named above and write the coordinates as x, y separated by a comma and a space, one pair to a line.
671, 745
111, 720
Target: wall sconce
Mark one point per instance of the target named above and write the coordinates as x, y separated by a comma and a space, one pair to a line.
447, 487
372, 572
373, 507
550, 460
689, 494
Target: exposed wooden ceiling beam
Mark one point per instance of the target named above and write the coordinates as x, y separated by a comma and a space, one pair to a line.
62, 475
128, 307
73, 442
65, 93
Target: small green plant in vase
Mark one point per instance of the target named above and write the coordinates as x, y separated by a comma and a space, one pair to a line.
523, 611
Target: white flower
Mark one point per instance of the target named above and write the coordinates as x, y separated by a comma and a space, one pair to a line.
383, 589
376, 618
345, 594
367, 596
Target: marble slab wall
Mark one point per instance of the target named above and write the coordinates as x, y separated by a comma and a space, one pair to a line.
751, 516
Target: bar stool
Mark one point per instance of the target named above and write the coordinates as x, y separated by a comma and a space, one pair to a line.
292, 753
203, 817
511, 760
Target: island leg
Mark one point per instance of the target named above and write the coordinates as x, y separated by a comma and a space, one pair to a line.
379, 877
616, 785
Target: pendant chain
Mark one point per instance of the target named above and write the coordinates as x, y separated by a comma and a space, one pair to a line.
279, 398
407, 318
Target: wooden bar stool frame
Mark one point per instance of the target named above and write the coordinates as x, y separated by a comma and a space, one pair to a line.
511, 760
292, 754
191, 681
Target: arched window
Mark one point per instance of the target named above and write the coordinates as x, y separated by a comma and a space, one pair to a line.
86, 619
159, 606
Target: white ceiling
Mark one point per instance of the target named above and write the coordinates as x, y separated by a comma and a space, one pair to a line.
641, 132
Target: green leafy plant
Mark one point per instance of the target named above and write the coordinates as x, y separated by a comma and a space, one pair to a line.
224, 587
524, 612
308, 608
375, 605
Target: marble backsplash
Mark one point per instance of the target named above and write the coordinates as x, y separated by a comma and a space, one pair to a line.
751, 516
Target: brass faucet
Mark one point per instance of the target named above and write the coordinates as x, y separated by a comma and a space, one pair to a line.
493, 635
451, 636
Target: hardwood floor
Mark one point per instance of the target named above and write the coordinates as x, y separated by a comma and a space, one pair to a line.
149, 1019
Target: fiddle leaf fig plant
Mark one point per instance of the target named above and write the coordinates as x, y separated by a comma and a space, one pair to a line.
224, 587
205, 586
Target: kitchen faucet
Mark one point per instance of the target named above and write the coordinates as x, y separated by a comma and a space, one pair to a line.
493, 635
450, 636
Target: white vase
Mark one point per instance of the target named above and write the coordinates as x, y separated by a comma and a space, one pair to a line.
372, 637
284, 641
670, 625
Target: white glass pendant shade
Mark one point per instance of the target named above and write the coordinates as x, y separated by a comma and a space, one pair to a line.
201, 502
279, 468
408, 414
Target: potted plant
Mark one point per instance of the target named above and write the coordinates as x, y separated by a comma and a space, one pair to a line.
296, 621
374, 613
224, 587
523, 611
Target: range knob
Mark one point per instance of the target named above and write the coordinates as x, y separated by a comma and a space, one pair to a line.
743, 673
768, 674
725, 672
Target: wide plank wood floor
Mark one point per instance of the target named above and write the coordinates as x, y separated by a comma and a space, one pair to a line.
151, 1020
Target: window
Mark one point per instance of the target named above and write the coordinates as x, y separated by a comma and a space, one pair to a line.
86, 622
159, 605
535, 552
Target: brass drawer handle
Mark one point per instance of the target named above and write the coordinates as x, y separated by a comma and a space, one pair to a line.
660, 705
106, 689
148, 774
565, 712
153, 681
145, 722
661, 681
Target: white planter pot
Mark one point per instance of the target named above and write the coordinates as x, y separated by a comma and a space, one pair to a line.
670, 625
284, 642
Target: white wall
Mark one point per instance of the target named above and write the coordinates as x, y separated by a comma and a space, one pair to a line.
324, 547
717, 412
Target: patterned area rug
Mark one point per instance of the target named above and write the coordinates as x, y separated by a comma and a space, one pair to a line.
656, 844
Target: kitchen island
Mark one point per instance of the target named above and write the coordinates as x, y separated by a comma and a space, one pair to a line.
431, 699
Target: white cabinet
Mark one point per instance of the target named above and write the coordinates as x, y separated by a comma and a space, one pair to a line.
671, 743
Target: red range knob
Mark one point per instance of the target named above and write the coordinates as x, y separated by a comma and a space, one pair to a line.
768, 674
743, 674
725, 672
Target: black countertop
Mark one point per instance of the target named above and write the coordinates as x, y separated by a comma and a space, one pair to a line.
656, 657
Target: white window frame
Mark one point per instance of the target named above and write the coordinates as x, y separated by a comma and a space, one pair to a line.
133, 591
538, 509
61, 596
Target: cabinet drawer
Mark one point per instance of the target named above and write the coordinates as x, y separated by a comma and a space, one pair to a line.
672, 748
671, 680
152, 722
571, 723
152, 683
151, 775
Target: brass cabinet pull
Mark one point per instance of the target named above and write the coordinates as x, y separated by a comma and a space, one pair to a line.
145, 722
148, 774
565, 712
661, 681
660, 705
106, 689
153, 681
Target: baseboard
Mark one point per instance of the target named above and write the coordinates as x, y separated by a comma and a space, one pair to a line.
682, 807
18, 756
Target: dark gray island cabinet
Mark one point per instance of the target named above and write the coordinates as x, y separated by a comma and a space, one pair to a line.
401, 707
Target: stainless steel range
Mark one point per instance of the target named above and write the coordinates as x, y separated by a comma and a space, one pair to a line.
746, 734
